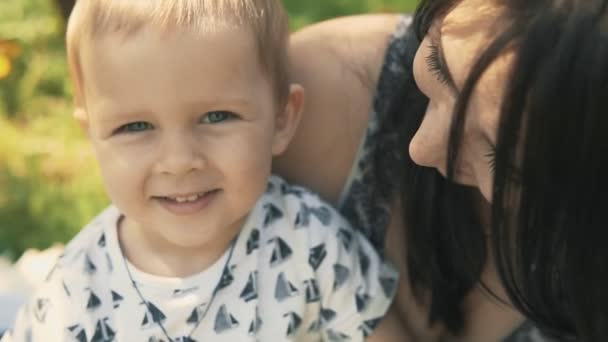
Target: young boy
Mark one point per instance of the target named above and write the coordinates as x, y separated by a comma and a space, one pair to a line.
185, 103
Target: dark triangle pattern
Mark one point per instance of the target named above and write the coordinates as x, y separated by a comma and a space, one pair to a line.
224, 321
116, 299
284, 289
369, 326
89, 267
93, 303
312, 291
316, 256
185, 339
336, 336
346, 238
327, 316
361, 299
78, 333
272, 214
196, 314
250, 291
256, 324
41, 309
293, 323
254, 241
226, 279
153, 316
280, 253
322, 213
155, 339
102, 240
291, 190
389, 284
341, 274
103, 332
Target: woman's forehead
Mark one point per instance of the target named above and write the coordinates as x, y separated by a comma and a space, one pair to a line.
465, 32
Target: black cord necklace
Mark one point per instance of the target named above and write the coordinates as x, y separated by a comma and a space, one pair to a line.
202, 316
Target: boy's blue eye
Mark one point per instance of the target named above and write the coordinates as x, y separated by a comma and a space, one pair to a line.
133, 127
217, 116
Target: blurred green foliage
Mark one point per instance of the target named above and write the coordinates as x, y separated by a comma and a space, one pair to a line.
49, 182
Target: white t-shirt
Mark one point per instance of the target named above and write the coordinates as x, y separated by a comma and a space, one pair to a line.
297, 272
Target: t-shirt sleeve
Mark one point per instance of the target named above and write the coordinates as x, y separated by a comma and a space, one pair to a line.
44, 315
357, 286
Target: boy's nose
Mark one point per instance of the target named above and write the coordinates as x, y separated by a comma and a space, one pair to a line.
180, 155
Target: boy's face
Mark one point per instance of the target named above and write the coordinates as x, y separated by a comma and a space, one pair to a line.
184, 128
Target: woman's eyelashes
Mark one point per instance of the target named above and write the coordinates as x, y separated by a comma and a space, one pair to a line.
435, 65
491, 156
213, 117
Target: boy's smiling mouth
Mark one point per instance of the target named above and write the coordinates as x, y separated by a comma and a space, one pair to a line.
187, 204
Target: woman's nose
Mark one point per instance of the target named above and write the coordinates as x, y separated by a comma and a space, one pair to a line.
428, 147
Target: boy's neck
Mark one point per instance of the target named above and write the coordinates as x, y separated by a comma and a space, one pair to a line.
147, 256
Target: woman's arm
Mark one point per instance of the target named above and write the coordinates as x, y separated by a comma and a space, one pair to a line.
338, 62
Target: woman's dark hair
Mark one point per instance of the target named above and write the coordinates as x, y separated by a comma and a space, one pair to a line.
549, 231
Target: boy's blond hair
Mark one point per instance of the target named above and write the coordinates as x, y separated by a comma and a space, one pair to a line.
267, 19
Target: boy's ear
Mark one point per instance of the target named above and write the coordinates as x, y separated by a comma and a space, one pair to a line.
287, 120
81, 117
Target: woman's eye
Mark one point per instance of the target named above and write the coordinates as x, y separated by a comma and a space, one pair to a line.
217, 116
134, 127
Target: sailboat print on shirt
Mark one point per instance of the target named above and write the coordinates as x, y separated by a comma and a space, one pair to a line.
272, 214
369, 326
152, 317
280, 252
256, 324
250, 291
341, 274
116, 299
89, 267
312, 291
224, 321
196, 314
284, 288
316, 256
93, 303
293, 323
346, 237
322, 213
78, 333
103, 331
41, 308
254, 241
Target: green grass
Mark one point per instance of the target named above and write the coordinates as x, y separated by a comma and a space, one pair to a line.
49, 183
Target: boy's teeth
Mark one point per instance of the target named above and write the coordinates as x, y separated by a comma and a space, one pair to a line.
186, 199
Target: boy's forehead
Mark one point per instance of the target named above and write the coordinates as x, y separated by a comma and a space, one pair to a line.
188, 68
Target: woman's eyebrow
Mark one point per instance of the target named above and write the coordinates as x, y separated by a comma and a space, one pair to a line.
436, 40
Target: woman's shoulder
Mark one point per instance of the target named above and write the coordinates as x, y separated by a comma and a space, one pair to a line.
346, 49
338, 62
